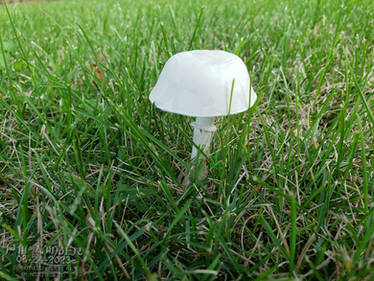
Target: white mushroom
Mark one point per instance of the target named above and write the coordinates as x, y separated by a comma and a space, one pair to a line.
203, 84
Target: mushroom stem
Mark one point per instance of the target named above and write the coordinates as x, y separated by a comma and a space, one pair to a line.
202, 134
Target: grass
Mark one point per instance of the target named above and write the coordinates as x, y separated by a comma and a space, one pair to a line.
90, 171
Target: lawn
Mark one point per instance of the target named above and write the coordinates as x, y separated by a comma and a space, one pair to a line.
91, 172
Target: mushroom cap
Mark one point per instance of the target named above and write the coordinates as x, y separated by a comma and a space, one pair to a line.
204, 83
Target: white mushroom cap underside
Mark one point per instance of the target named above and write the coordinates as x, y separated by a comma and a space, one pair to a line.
199, 83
